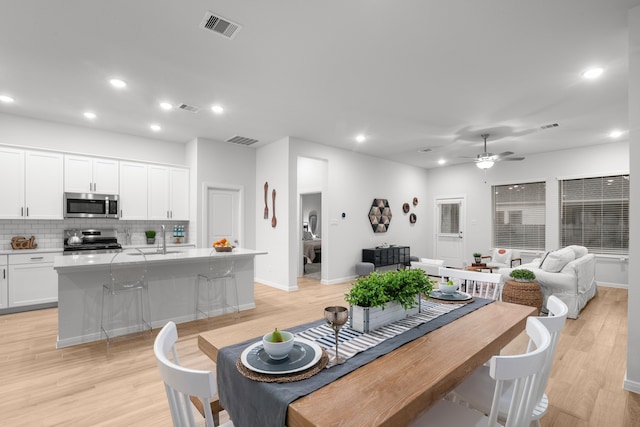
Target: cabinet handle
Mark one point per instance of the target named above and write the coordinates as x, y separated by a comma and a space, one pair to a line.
22, 211
4, 273
27, 210
168, 214
36, 257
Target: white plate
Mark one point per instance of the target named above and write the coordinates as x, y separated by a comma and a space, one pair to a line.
304, 355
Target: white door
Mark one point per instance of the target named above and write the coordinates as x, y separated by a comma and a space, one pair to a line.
179, 202
223, 216
43, 185
12, 188
450, 217
133, 191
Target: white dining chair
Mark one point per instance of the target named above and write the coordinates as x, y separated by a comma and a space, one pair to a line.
475, 283
475, 390
185, 386
523, 372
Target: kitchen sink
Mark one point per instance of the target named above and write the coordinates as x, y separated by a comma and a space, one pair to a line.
154, 253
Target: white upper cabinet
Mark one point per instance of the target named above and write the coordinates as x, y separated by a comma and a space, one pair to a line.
90, 175
36, 184
168, 193
133, 191
12, 195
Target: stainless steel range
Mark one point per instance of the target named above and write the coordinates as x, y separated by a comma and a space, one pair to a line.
91, 241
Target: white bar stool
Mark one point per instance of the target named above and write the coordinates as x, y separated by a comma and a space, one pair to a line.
125, 299
217, 291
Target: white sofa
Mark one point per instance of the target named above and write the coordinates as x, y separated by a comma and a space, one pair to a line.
429, 266
568, 273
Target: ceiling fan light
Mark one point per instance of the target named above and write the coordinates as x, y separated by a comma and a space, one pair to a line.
484, 164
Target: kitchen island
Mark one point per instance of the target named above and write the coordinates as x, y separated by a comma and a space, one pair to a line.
172, 285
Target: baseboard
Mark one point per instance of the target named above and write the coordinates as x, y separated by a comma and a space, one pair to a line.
340, 280
632, 386
276, 285
613, 285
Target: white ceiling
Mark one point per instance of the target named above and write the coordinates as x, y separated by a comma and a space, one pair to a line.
408, 74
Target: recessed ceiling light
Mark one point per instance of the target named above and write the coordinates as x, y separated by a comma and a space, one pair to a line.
593, 73
89, 115
6, 98
156, 128
117, 83
360, 138
166, 106
217, 109
442, 161
615, 133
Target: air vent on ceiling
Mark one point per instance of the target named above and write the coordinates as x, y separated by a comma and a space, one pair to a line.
242, 140
549, 126
219, 25
425, 150
189, 108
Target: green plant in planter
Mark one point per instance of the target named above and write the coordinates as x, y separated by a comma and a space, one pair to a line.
522, 274
378, 288
151, 234
477, 257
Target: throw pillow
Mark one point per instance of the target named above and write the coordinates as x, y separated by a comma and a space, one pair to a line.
544, 256
501, 256
306, 235
555, 261
580, 251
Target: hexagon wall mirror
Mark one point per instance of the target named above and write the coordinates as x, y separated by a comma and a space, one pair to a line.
380, 215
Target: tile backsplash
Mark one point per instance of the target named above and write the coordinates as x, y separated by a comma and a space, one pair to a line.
50, 233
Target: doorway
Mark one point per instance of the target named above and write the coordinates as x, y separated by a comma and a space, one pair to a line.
222, 206
450, 220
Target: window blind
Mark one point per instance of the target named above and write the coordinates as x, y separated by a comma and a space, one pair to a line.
594, 212
519, 216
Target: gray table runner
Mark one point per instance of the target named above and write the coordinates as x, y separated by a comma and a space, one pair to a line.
253, 403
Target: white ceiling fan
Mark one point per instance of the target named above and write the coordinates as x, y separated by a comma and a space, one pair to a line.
485, 160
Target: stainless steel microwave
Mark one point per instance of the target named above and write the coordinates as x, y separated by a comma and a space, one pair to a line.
90, 205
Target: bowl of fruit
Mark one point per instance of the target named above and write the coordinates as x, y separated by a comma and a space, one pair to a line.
278, 344
222, 245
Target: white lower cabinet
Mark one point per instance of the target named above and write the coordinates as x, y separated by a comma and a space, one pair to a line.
32, 279
4, 302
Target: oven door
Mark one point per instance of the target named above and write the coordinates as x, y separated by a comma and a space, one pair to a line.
89, 205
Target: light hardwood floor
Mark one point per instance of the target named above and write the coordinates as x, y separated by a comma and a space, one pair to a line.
87, 386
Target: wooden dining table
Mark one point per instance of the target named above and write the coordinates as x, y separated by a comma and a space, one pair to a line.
396, 388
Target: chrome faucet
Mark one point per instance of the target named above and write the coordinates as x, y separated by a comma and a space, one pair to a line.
164, 240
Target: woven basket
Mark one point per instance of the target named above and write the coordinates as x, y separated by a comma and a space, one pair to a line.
523, 293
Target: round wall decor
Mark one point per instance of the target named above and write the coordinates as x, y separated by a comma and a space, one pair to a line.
412, 218
405, 208
415, 201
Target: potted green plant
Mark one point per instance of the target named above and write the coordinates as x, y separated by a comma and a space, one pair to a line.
382, 298
522, 275
477, 256
151, 236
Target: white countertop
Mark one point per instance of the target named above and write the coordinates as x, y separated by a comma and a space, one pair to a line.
143, 247
75, 262
30, 251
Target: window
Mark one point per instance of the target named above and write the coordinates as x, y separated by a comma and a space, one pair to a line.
519, 216
594, 212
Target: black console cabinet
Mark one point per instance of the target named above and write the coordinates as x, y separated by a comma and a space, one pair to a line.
380, 257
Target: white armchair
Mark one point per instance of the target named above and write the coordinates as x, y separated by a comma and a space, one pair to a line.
501, 258
568, 273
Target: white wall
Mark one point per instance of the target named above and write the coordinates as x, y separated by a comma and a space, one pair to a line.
32, 133
223, 163
272, 166
467, 179
353, 181
632, 380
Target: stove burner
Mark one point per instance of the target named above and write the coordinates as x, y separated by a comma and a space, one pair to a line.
93, 241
